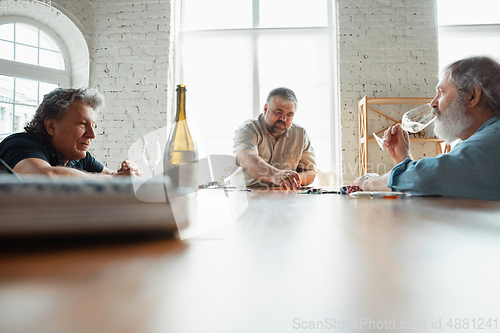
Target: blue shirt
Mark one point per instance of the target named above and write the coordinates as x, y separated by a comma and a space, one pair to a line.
20, 146
470, 170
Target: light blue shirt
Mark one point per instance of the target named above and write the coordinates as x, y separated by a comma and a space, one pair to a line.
470, 170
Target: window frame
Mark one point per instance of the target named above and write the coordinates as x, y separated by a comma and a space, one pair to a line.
36, 72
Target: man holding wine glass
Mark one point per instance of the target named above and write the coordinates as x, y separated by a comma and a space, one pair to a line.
56, 140
467, 107
271, 149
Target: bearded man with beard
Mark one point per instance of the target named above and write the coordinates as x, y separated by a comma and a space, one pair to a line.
271, 149
467, 106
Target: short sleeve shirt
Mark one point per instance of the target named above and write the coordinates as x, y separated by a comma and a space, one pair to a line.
20, 146
291, 151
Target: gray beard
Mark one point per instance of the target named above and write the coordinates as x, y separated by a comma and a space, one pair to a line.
454, 121
273, 129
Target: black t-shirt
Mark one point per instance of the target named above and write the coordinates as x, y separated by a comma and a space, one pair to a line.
19, 146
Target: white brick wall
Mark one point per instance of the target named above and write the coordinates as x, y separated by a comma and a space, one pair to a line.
386, 49
130, 52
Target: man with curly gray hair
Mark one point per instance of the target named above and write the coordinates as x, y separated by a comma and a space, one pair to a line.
56, 140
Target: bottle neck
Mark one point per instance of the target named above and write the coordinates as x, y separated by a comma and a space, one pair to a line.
181, 104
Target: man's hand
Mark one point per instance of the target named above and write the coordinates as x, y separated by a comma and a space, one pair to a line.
306, 177
128, 168
397, 141
259, 169
364, 182
287, 179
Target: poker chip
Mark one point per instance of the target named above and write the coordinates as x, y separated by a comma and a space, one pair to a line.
347, 189
318, 191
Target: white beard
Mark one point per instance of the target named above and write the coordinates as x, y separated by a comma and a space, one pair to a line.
454, 121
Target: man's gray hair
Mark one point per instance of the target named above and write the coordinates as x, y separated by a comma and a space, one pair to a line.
482, 72
285, 93
55, 105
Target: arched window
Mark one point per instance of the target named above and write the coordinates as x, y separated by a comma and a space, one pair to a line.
32, 63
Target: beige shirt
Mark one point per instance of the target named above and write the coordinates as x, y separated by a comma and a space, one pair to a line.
292, 150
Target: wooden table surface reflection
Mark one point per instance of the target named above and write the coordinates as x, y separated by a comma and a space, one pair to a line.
288, 262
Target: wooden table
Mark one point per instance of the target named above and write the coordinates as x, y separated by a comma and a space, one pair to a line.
289, 262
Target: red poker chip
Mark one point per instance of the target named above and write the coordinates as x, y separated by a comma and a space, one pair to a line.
347, 189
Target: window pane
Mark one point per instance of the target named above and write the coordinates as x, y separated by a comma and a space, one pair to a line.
6, 50
22, 115
216, 14
27, 54
45, 88
293, 13
7, 31
457, 12
5, 120
286, 59
6, 88
47, 43
219, 85
307, 71
26, 91
486, 41
26, 34
51, 59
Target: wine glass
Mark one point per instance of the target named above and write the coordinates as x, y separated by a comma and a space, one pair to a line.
413, 121
152, 154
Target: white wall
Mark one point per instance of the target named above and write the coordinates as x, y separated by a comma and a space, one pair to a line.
386, 49
130, 53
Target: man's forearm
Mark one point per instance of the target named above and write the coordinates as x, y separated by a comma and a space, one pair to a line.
256, 167
375, 184
75, 173
307, 177
34, 166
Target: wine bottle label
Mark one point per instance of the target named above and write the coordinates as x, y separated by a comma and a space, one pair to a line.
184, 175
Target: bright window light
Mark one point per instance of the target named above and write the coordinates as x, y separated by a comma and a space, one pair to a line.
26, 91
464, 12
219, 85
216, 14
19, 98
6, 50
23, 46
293, 13
468, 30
230, 69
7, 32
26, 34
30, 45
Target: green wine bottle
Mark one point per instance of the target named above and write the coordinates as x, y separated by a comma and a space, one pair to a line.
181, 154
